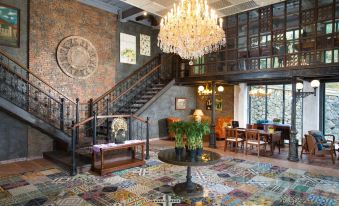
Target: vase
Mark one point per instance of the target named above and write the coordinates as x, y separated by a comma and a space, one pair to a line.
199, 152
191, 155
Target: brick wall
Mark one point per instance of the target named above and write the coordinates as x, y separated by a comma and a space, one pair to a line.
50, 23
227, 103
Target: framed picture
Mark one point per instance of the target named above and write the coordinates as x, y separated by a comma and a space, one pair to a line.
145, 45
9, 26
208, 104
218, 104
128, 49
181, 103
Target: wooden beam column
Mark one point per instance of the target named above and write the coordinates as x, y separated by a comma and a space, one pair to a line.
212, 140
293, 145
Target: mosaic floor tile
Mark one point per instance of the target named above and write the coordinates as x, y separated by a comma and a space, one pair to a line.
230, 182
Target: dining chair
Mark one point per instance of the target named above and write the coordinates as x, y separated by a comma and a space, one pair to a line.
232, 137
253, 139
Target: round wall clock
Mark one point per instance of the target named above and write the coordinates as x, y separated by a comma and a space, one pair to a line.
77, 57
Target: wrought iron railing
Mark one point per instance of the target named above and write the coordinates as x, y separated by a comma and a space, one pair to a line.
29, 92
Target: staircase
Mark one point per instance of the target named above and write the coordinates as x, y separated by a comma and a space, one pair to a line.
31, 99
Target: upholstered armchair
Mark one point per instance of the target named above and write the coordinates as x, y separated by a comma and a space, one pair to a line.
317, 149
170, 120
317, 144
221, 124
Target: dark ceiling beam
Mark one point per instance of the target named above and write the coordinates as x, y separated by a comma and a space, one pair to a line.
130, 14
322, 73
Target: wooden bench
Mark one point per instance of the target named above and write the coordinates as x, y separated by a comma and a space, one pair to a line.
104, 166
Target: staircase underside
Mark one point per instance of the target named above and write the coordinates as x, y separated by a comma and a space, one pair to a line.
34, 121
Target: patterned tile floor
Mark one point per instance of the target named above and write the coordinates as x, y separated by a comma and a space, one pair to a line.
230, 182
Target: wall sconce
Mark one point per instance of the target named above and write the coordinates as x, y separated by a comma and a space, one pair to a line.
314, 84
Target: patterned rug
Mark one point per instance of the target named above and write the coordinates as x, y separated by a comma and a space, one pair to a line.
230, 182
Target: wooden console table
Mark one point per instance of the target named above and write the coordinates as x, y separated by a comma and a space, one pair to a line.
105, 166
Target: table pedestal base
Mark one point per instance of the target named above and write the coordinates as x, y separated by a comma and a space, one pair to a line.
181, 189
188, 188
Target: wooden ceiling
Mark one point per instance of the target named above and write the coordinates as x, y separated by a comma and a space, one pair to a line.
223, 7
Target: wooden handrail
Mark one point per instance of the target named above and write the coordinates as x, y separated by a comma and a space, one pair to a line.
139, 80
123, 80
139, 118
30, 72
113, 116
126, 78
82, 122
108, 116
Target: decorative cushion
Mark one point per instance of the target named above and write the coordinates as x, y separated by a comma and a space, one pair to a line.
255, 142
318, 135
262, 121
234, 139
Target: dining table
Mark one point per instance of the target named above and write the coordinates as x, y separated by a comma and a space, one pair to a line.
266, 136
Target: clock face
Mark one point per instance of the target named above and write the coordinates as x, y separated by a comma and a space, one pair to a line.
77, 57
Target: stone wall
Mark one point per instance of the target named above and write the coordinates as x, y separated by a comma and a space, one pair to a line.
275, 108
19, 54
164, 107
332, 115
50, 23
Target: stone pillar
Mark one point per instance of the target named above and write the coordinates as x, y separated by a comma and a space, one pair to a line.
241, 104
212, 140
293, 145
311, 107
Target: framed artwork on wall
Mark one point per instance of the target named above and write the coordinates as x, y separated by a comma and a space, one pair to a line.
181, 103
9, 26
128, 49
145, 45
218, 104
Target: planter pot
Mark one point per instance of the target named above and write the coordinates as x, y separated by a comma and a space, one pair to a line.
199, 152
179, 151
191, 155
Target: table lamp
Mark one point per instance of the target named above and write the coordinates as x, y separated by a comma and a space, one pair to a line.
197, 115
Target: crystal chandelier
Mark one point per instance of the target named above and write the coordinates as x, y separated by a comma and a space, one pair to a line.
191, 30
260, 92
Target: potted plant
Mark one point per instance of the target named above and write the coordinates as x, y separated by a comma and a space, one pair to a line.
276, 120
201, 130
195, 132
191, 139
179, 129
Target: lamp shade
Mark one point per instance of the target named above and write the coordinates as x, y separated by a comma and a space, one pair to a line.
315, 83
198, 112
299, 86
220, 88
201, 88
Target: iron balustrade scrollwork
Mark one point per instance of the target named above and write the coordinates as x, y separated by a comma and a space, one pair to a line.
124, 91
29, 92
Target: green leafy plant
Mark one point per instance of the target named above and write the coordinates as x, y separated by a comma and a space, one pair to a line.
195, 132
179, 129
276, 120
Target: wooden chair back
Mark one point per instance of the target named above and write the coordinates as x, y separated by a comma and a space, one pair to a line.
249, 126
231, 133
252, 134
311, 143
